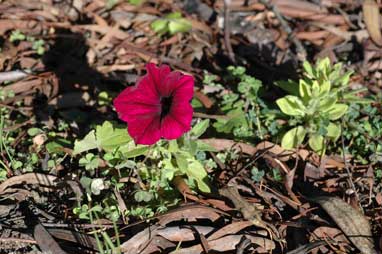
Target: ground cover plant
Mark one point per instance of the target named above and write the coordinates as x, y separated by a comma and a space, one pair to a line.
190, 127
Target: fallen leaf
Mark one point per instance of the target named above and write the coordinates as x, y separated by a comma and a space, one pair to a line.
372, 19
45, 241
354, 224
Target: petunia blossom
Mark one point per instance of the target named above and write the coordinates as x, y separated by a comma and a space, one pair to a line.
158, 106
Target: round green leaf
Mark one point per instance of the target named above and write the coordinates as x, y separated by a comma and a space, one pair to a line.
293, 137
334, 131
316, 142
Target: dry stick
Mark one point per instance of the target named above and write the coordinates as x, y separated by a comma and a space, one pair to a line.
227, 32
207, 116
350, 175
14, 239
301, 52
13, 75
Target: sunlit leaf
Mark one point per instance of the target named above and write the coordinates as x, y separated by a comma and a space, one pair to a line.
337, 111
293, 137
316, 142
291, 105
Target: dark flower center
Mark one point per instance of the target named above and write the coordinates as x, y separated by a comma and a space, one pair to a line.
166, 106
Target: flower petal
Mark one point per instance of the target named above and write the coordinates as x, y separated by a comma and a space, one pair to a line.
145, 131
132, 104
184, 90
171, 128
157, 75
177, 122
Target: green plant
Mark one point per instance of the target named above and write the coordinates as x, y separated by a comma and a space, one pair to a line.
37, 44
362, 132
171, 23
247, 114
136, 2
315, 105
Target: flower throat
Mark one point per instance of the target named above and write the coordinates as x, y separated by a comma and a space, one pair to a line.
166, 106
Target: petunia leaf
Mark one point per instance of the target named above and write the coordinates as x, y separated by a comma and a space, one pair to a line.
109, 138
200, 128
196, 171
88, 143
188, 165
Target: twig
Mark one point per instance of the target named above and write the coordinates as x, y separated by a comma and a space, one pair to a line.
207, 116
13, 75
301, 52
227, 31
80, 226
14, 239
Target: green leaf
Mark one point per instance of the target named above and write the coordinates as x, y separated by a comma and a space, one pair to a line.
109, 138
325, 87
323, 64
136, 2
179, 26
57, 145
199, 174
315, 89
289, 86
334, 131
305, 91
174, 15
308, 69
34, 131
88, 143
201, 146
327, 103
293, 137
159, 26
316, 142
200, 128
337, 111
144, 196
130, 150
291, 105
181, 161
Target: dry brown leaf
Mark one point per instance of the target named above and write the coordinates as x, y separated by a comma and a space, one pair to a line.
190, 213
354, 224
29, 178
76, 237
45, 241
372, 19
228, 243
183, 234
232, 228
139, 241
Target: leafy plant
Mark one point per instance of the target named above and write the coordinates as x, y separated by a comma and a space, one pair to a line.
171, 23
37, 44
315, 105
247, 114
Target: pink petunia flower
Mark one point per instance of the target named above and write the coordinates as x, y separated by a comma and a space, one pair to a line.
157, 106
